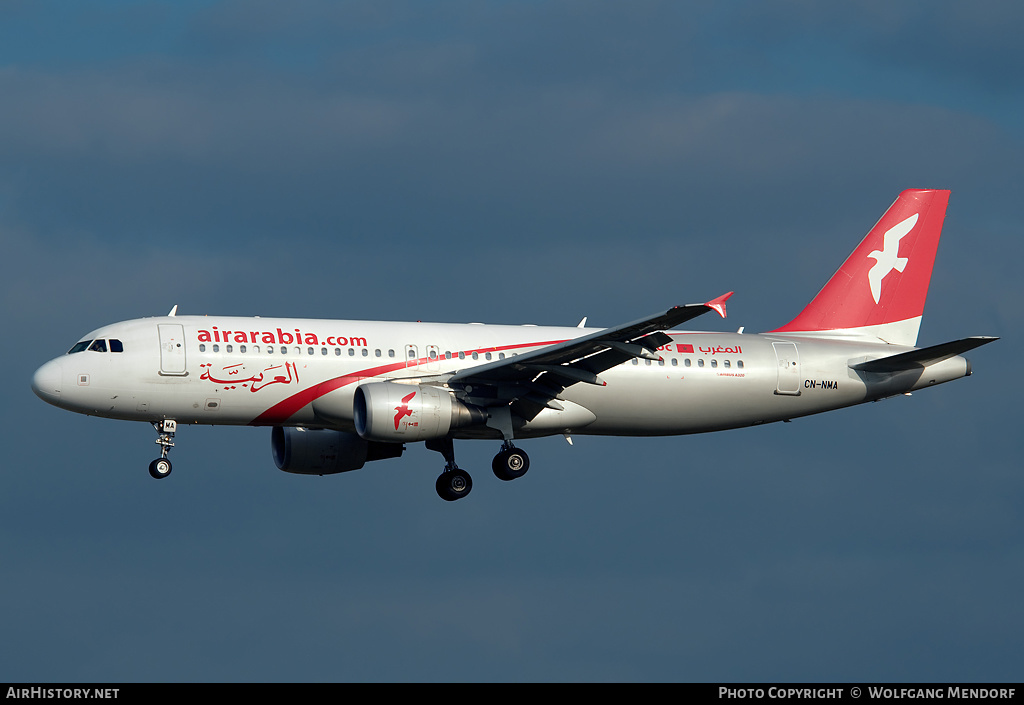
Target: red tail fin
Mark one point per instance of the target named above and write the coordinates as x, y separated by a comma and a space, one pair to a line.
880, 290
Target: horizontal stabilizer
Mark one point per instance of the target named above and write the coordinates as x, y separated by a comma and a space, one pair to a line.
923, 357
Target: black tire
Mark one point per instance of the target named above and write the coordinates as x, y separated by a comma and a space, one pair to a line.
510, 464
160, 468
453, 484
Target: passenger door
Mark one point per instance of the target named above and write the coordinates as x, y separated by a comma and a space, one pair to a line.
172, 349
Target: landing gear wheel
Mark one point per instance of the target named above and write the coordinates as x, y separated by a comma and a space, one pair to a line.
453, 484
160, 468
510, 463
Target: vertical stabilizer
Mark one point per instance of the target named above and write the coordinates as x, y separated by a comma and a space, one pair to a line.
880, 290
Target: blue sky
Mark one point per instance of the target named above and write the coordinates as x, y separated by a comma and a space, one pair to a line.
531, 162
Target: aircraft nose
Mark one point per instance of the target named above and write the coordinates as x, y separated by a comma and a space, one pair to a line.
46, 381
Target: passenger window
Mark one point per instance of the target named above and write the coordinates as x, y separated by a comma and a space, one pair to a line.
700, 362
115, 345
462, 355
241, 348
202, 347
487, 356
727, 364
714, 363
686, 362
739, 363
365, 352
229, 348
376, 353
391, 353
675, 362
98, 345
216, 348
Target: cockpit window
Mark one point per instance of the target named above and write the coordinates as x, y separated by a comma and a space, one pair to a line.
98, 345
79, 347
115, 345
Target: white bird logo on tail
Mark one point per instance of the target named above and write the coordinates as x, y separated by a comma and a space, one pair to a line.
888, 258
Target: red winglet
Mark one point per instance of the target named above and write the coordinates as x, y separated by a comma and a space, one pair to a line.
718, 305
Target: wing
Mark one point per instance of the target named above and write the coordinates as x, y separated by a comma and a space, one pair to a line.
532, 381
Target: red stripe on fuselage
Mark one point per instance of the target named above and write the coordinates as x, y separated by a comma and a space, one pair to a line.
285, 409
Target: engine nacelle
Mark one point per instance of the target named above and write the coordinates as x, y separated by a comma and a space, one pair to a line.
306, 451
386, 411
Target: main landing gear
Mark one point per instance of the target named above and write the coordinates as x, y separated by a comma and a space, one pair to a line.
161, 467
455, 483
510, 462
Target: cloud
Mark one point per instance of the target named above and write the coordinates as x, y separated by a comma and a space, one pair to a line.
189, 157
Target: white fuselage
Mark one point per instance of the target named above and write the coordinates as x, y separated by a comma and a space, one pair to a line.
342, 393
273, 371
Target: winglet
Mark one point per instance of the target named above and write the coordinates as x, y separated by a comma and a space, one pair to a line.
173, 311
718, 305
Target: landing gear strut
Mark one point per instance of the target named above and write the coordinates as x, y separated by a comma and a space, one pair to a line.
510, 462
161, 467
454, 482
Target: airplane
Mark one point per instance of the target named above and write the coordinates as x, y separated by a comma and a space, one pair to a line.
338, 394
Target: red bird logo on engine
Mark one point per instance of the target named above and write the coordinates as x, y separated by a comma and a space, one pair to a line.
404, 409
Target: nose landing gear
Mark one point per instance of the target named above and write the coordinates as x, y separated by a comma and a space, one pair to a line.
161, 467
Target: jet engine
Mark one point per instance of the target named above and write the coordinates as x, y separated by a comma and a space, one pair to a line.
306, 451
386, 411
